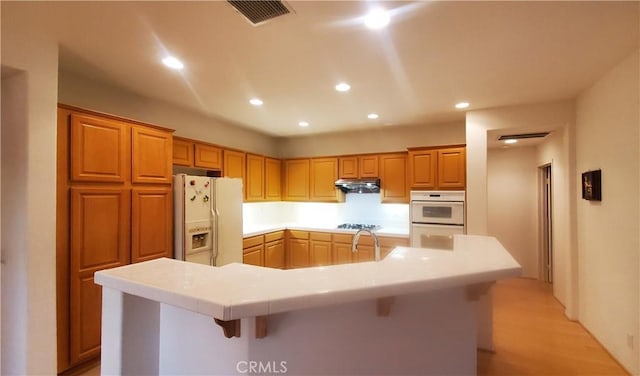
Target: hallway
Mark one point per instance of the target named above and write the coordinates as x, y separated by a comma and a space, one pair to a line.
532, 336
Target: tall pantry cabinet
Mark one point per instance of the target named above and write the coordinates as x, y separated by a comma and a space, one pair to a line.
114, 207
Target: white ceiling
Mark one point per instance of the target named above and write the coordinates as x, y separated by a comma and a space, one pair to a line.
432, 55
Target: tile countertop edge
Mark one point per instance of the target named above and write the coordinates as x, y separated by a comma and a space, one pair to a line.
404, 274
261, 230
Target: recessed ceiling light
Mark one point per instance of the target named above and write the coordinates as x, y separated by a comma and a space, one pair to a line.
373, 116
343, 86
303, 124
377, 19
256, 101
510, 141
172, 62
462, 105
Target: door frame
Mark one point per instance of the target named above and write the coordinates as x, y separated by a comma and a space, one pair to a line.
545, 222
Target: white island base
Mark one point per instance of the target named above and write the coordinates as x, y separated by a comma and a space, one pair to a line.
413, 313
427, 333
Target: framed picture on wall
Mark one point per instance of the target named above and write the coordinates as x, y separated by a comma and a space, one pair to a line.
591, 185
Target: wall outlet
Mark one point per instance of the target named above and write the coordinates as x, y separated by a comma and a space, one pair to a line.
630, 341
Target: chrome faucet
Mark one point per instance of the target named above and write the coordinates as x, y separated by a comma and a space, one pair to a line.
376, 242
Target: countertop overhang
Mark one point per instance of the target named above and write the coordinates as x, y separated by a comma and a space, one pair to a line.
237, 291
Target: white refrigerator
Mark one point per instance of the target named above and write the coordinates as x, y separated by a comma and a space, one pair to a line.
208, 219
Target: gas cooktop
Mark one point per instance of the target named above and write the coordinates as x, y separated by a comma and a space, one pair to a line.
358, 226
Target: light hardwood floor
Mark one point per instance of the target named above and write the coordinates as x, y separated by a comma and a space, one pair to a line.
532, 336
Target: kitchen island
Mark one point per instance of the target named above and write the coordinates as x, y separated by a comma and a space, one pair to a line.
414, 312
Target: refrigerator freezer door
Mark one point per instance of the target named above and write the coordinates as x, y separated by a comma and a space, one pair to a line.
227, 242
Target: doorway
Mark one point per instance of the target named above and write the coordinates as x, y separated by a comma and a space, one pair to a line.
546, 224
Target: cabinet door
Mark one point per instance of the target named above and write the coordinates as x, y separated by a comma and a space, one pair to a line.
422, 169
393, 178
342, 253
253, 255
298, 253
234, 164
273, 179
207, 156
324, 173
151, 223
99, 149
274, 254
348, 167
99, 240
368, 166
319, 253
151, 151
255, 178
296, 180
182, 152
365, 253
452, 168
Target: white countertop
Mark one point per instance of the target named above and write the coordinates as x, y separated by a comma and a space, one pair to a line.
264, 229
236, 290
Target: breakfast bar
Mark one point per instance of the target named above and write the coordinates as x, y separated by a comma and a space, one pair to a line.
413, 312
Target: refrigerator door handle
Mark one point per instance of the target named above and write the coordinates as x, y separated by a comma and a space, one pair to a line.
215, 215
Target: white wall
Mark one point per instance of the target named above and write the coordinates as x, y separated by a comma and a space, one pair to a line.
553, 115
374, 140
607, 133
28, 202
81, 92
357, 208
512, 181
556, 152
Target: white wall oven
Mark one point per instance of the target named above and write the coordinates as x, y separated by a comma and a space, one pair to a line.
435, 217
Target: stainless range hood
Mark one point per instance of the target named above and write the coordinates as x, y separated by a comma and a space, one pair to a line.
365, 185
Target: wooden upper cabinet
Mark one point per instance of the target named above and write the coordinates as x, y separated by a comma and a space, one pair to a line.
234, 164
422, 168
255, 181
99, 149
296, 180
182, 152
151, 223
273, 179
368, 166
452, 168
393, 178
151, 151
363, 166
323, 174
348, 167
437, 168
207, 156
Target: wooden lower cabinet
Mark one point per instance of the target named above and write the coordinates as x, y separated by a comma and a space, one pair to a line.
274, 252
297, 249
320, 251
253, 250
366, 250
341, 248
303, 249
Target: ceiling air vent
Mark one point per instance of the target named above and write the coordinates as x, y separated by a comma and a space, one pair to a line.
523, 136
258, 12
